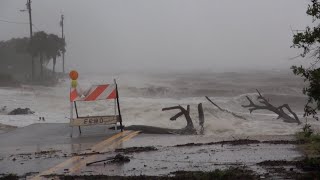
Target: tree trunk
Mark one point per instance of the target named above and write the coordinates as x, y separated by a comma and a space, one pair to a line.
189, 129
54, 65
32, 68
201, 118
41, 67
63, 62
184, 112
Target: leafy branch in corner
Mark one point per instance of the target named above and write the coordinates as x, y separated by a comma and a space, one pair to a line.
309, 40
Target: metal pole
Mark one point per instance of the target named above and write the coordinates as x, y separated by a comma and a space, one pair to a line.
75, 106
30, 16
30, 26
115, 112
120, 118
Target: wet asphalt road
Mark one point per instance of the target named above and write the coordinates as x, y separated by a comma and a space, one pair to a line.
38, 147
43, 149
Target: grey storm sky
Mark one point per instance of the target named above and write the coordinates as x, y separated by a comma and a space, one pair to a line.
162, 35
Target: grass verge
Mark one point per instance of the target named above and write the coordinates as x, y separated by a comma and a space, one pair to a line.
231, 173
311, 145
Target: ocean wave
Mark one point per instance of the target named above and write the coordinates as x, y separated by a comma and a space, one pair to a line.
143, 98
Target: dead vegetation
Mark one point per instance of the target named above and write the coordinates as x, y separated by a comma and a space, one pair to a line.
280, 110
136, 149
119, 158
237, 142
225, 110
189, 129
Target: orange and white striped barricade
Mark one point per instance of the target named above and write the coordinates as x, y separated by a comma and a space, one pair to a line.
95, 93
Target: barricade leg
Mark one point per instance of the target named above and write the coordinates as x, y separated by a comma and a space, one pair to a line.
71, 131
121, 127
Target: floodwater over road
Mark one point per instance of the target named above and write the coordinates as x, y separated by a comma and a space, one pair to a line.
167, 160
46, 148
53, 152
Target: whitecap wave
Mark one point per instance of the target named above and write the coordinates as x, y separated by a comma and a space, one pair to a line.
142, 99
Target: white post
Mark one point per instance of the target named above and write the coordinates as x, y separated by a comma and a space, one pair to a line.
71, 113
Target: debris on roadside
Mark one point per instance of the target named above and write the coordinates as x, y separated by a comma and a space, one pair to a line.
242, 142
21, 111
136, 149
117, 159
40, 154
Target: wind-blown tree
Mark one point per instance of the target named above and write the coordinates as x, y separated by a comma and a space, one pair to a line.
15, 53
22, 45
14, 57
309, 41
56, 46
39, 47
47, 47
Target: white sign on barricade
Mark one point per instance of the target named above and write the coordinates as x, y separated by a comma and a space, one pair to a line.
94, 120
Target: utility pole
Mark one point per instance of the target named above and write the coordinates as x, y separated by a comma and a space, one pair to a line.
30, 23
30, 17
62, 32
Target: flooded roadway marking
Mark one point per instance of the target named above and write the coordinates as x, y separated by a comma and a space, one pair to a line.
79, 165
124, 136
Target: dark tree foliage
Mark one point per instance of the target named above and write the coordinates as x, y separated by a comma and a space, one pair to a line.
309, 40
47, 45
15, 54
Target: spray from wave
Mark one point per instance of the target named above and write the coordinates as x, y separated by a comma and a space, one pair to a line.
143, 96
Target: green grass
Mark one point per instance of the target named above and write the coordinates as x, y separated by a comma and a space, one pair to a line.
311, 145
311, 148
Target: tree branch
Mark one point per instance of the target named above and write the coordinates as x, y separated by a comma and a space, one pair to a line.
214, 103
173, 118
225, 110
289, 109
183, 111
277, 110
